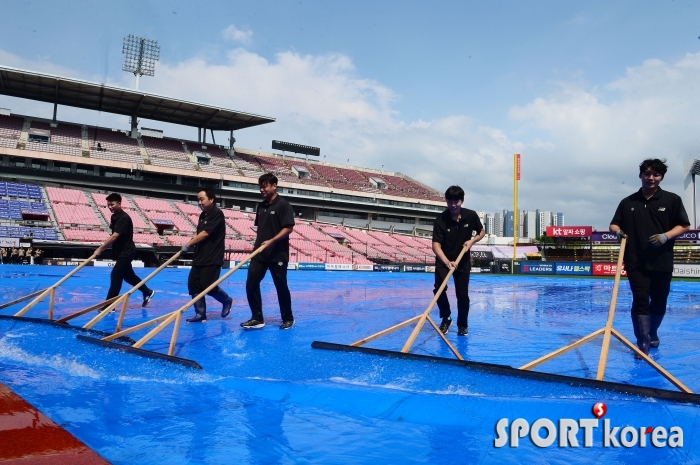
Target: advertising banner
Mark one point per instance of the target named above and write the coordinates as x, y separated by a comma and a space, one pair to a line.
365, 267
236, 262
533, 267
430, 268
110, 263
607, 269
390, 268
339, 266
686, 271
481, 255
569, 231
292, 266
691, 236
604, 236
9, 242
414, 268
573, 268
312, 266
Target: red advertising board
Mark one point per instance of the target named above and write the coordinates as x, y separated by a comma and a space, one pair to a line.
569, 231
517, 166
607, 269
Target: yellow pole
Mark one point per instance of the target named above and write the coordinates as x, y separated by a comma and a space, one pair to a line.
516, 177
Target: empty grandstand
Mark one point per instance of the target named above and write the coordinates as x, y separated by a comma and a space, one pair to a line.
55, 176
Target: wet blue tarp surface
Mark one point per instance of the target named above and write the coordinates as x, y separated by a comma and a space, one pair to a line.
266, 396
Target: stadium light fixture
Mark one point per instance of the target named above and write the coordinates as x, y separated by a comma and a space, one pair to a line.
140, 56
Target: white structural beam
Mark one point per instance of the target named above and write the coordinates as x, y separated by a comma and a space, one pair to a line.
691, 168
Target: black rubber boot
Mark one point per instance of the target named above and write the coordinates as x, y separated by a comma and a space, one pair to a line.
200, 310
653, 335
226, 302
642, 326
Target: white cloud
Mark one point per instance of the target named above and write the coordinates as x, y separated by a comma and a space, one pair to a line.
580, 146
235, 34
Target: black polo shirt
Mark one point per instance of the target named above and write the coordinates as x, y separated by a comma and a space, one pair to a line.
270, 219
640, 218
452, 235
123, 246
211, 250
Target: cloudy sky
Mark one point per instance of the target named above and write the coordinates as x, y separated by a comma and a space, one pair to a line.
443, 91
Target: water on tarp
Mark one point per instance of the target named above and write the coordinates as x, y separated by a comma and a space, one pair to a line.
266, 396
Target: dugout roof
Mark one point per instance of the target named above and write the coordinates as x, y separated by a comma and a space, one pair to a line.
101, 97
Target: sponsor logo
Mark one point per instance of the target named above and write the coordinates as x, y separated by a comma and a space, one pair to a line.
573, 268
366, 267
568, 432
312, 266
607, 269
389, 268
414, 268
662, 209
272, 212
339, 266
686, 271
537, 268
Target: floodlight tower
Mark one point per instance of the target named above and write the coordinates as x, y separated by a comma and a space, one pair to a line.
140, 56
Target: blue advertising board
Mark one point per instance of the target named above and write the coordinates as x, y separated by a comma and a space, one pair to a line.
534, 267
574, 268
414, 268
387, 268
312, 266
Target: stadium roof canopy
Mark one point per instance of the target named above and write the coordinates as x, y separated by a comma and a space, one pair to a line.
100, 97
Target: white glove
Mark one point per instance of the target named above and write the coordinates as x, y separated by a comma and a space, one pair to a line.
185, 248
657, 240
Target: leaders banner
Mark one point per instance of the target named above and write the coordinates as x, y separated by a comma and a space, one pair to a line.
527, 267
573, 268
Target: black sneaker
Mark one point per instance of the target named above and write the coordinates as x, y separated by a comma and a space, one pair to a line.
226, 309
445, 325
287, 324
253, 324
462, 331
147, 298
197, 319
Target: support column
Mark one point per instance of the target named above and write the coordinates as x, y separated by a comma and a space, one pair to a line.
689, 197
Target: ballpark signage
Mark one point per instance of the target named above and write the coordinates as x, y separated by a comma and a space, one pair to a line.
363, 267
607, 269
9, 242
537, 267
569, 231
604, 236
414, 268
686, 271
339, 266
387, 268
573, 268
690, 236
312, 266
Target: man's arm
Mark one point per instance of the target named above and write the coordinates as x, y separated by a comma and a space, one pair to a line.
475, 239
195, 240
284, 232
104, 245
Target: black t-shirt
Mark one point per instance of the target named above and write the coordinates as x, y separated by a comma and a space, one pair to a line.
211, 250
452, 235
640, 218
123, 246
270, 219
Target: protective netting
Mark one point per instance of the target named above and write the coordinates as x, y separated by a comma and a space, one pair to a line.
266, 396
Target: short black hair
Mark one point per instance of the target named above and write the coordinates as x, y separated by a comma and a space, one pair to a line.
209, 192
655, 164
114, 198
454, 193
267, 178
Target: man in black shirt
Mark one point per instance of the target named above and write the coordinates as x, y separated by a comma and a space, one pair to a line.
208, 256
123, 250
452, 231
651, 218
275, 221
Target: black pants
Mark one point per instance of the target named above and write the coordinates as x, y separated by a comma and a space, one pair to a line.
123, 271
650, 291
461, 280
201, 277
256, 273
